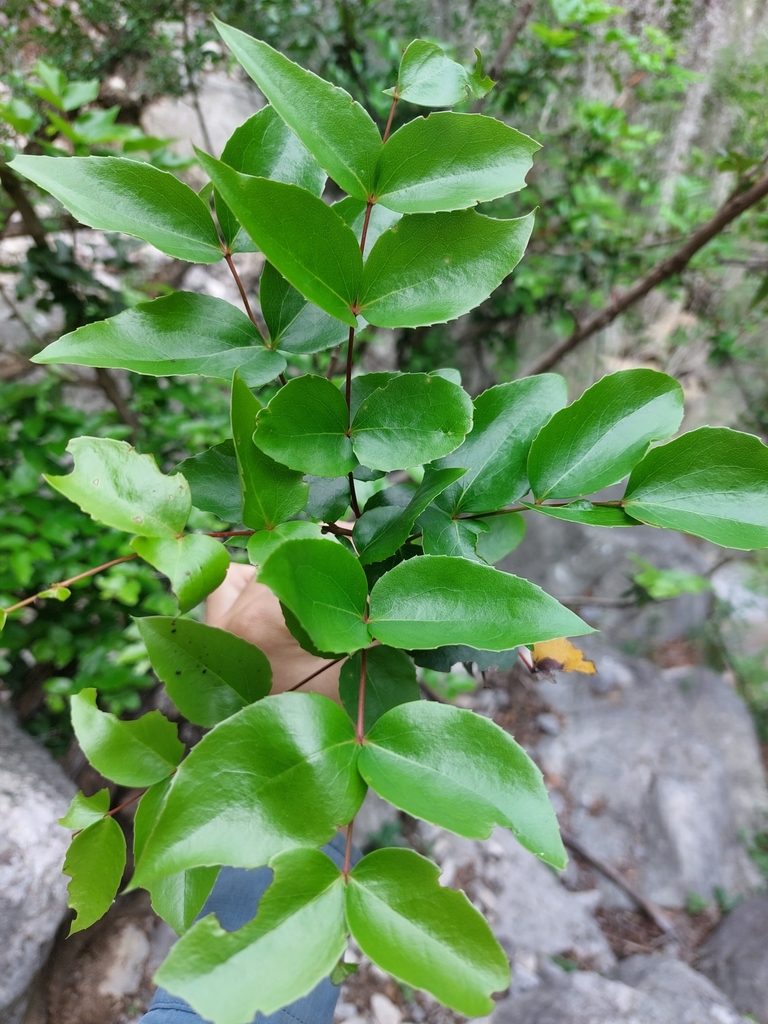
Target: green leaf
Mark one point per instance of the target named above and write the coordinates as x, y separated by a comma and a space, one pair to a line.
583, 511
214, 483
175, 335
264, 542
302, 638
279, 774
495, 453
379, 532
450, 161
325, 587
414, 418
661, 584
209, 673
431, 268
305, 427
430, 79
302, 912
424, 934
95, 862
364, 384
136, 753
115, 194
504, 535
178, 898
306, 240
463, 772
597, 440
86, 810
390, 679
271, 492
328, 498
443, 535
120, 488
20, 116
335, 129
295, 325
433, 601
380, 219
711, 482
194, 564
264, 146
342, 971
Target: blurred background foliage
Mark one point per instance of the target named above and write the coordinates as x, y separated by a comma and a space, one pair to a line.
650, 117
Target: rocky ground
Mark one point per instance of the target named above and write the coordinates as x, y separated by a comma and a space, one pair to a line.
655, 772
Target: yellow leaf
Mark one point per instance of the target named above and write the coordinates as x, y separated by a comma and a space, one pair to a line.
561, 656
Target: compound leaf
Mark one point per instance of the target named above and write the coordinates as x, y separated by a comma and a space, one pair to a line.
177, 334
115, 194
325, 587
711, 482
441, 534
433, 267
599, 438
209, 673
95, 862
426, 935
435, 600
295, 325
335, 129
463, 772
279, 774
135, 753
194, 564
120, 488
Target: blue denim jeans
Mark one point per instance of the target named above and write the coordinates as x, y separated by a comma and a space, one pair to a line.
234, 900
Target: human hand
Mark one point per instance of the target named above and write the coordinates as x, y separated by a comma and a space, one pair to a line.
250, 610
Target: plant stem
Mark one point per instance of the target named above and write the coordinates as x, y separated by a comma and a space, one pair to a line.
73, 579
525, 508
317, 672
125, 803
348, 850
348, 386
360, 732
353, 496
243, 296
231, 533
390, 119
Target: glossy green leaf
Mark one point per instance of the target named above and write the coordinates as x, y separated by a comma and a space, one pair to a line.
305, 427
85, 810
430, 79
178, 898
463, 772
306, 240
426, 935
295, 325
214, 483
450, 161
364, 384
503, 536
135, 753
325, 587
414, 418
178, 334
380, 219
495, 453
442, 659
264, 542
302, 912
271, 493
279, 774
303, 638
95, 862
435, 600
328, 498
114, 194
390, 679
583, 511
120, 488
265, 147
194, 564
379, 532
599, 438
433, 267
209, 673
335, 129
711, 482
441, 534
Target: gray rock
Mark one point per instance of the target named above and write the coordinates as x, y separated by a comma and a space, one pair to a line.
659, 777
529, 909
657, 991
34, 792
736, 957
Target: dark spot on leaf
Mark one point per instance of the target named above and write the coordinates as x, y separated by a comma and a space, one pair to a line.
178, 671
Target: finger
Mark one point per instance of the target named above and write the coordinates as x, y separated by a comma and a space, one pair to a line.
221, 601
